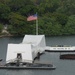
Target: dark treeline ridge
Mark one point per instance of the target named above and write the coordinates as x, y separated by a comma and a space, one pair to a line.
55, 17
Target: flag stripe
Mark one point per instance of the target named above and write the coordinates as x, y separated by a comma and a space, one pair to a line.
32, 17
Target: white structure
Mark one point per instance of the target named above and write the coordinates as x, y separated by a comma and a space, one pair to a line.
37, 43
49, 48
23, 49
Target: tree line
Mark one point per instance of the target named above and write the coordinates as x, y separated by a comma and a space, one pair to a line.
55, 17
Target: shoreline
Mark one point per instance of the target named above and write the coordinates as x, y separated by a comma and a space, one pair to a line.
5, 35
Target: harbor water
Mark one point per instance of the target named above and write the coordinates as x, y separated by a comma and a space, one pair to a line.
63, 67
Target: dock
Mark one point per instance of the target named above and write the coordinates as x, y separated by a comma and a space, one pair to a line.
25, 68
32, 66
67, 56
59, 49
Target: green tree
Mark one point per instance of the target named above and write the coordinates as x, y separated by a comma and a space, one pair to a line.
49, 26
15, 5
67, 7
18, 23
1, 27
70, 26
4, 12
60, 18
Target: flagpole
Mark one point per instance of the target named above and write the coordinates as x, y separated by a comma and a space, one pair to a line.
36, 26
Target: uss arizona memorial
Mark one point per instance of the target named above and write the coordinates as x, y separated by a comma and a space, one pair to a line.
31, 46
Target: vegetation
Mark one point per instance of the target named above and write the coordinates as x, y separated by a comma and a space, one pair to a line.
1, 27
55, 17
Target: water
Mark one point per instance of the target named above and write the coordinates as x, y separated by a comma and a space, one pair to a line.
63, 67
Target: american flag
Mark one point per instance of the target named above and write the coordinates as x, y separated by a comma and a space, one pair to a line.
32, 17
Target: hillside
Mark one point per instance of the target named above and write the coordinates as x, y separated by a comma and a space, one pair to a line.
55, 17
